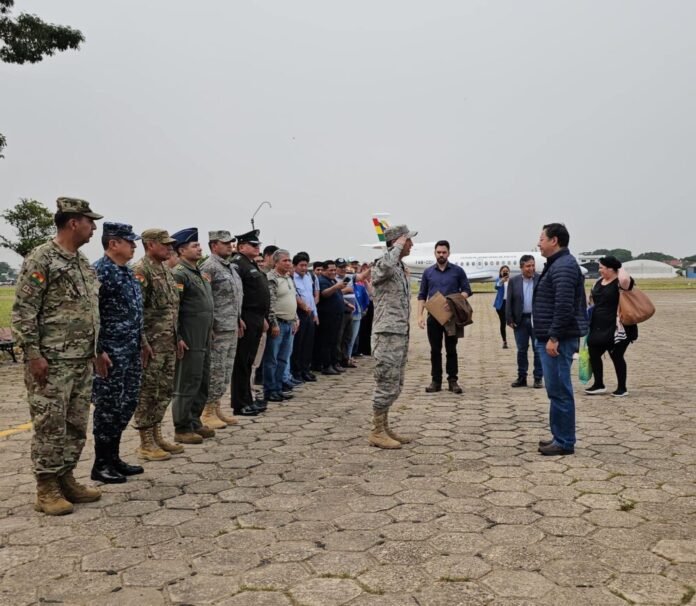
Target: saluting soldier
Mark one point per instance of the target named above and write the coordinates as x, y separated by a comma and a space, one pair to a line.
256, 305
55, 320
390, 332
192, 376
227, 325
116, 386
158, 346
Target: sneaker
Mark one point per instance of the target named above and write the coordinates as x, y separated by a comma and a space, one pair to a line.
595, 390
620, 393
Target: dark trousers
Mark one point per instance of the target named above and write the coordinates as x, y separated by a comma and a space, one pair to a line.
344, 335
247, 347
365, 336
524, 333
116, 396
503, 324
327, 335
616, 353
436, 332
303, 346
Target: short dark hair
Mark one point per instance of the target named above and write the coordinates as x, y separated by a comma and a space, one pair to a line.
269, 250
557, 230
525, 259
444, 243
61, 219
326, 264
299, 257
317, 264
106, 239
304, 254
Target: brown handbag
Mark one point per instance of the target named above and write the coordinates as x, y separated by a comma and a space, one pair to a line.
634, 307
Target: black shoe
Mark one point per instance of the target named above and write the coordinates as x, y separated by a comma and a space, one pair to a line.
121, 466
554, 450
505, 345
330, 370
339, 369
543, 443
297, 380
596, 390
248, 411
103, 469
275, 396
454, 386
538, 383
288, 387
260, 405
520, 382
620, 393
287, 395
309, 377
433, 387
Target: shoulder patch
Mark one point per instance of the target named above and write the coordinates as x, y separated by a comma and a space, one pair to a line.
37, 278
179, 286
140, 278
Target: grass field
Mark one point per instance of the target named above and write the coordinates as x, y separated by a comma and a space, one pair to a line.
7, 292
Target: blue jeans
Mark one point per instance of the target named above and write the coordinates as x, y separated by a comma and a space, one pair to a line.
276, 357
354, 327
523, 334
559, 388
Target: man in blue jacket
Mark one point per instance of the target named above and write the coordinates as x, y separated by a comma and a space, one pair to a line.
560, 319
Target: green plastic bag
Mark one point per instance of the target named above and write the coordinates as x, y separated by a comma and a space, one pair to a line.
584, 366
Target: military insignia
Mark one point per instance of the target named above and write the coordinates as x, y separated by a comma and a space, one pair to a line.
37, 278
140, 278
28, 290
179, 287
206, 277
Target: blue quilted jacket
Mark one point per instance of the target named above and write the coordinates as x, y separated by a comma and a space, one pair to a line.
560, 305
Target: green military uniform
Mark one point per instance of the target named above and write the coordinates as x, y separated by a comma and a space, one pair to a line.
161, 316
56, 316
192, 377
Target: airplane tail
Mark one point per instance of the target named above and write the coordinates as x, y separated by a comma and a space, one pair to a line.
380, 226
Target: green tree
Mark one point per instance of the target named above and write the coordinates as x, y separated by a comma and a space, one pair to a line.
622, 254
28, 39
6, 272
33, 223
655, 256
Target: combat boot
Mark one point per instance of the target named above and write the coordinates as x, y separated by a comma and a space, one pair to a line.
104, 469
378, 435
165, 444
392, 434
77, 493
205, 432
49, 497
149, 449
188, 438
227, 419
454, 386
209, 418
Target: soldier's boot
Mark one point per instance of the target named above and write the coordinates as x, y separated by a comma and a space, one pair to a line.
75, 492
392, 434
454, 386
49, 497
188, 437
205, 432
104, 469
227, 419
121, 466
378, 435
149, 448
209, 418
165, 444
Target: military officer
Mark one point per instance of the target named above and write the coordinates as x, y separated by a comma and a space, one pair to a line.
192, 376
390, 331
55, 320
158, 344
227, 325
256, 304
117, 384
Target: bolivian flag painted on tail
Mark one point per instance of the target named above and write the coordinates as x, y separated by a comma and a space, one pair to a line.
380, 227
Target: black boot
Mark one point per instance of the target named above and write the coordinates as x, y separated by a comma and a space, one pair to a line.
121, 466
103, 469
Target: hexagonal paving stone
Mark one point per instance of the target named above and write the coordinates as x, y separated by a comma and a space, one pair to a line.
352, 540
275, 576
156, 573
456, 567
393, 578
325, 592
677, 551
576, 572
455, 593
257, 598
516, 584
113, 559
202, 589
648, 589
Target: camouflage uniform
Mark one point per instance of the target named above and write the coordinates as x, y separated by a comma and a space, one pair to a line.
56, 316
192, 376
121, 311
390, 327
161, 317
227, 298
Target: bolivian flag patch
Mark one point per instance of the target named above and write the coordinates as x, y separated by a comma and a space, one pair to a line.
37, 278
180, 287
140, 278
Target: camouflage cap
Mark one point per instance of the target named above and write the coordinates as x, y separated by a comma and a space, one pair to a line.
157, 235
221, 235
394, 232
75, 205
120, 230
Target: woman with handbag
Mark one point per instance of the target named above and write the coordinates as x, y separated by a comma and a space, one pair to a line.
607, 334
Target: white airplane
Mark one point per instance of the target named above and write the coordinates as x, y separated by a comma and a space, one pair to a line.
479, 267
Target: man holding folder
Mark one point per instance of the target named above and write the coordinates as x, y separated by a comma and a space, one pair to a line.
446, 279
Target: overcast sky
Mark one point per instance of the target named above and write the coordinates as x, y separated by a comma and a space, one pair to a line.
468, 120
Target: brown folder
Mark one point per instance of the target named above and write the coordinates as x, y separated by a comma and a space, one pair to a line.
438, 308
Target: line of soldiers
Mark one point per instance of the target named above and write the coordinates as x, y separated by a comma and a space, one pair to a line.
130, 340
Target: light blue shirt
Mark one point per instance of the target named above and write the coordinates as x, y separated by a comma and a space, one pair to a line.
528, 292
305, 289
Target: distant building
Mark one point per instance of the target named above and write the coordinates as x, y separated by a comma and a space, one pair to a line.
691, 271
645, 268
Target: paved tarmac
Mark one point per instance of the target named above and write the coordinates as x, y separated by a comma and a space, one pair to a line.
295, 508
